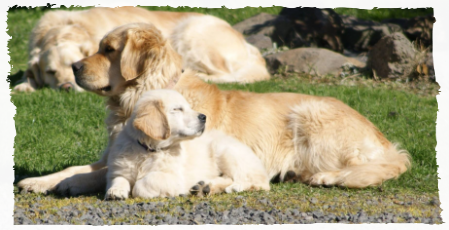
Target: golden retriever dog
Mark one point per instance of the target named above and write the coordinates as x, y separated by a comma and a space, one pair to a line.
206, 43
152, 156
319, 140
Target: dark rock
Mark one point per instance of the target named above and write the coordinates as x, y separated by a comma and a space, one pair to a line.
416, 29
361, 35
392, 57
315, 27
278, 28
313, 61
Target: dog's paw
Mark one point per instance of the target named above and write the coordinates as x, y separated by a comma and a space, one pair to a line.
292, 177
116, 194
24, 87
35, 185
324, 179
68, 187
200, 189
235, 187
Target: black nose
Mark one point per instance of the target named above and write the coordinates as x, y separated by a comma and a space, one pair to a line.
77, 66
202, 117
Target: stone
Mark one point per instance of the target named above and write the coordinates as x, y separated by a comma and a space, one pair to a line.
278, 28
314, 61
416, 29
392, 57
262, 42
315, 27
361, 35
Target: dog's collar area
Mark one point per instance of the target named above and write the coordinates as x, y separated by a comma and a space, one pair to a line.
146, 147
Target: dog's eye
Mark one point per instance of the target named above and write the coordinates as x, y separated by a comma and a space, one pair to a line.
178, 109
51, 72
108, 49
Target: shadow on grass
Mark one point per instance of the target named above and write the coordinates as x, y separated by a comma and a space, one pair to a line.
15, 78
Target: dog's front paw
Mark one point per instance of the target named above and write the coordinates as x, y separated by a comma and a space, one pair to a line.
24, 87
235, 187
200, 189
35, 185
116, 194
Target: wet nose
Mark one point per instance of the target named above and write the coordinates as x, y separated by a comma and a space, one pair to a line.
77, 66
68, 86
202, 117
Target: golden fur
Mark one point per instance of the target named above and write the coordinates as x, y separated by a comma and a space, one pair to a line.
319, 139
164, 121
206, 43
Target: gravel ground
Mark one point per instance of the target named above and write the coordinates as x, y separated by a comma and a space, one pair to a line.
35, 210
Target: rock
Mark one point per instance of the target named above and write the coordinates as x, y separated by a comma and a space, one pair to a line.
262, 42
314, 61
315, 27
361, 35
278, 28
392, 57
417, 28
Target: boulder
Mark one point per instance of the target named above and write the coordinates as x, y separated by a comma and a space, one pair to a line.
438, 67
316, 27
316, 61
417, 28
393, 57
361, 35
260, 41
278, 28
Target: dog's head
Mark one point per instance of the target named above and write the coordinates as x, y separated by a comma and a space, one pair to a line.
51, 60
126, 54
162, 118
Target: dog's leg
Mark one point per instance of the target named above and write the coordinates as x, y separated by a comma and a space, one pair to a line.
217, 185
48, 183
118, 189
85, 183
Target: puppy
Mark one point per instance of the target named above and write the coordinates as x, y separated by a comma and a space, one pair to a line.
152, 156
317, 140
206, 43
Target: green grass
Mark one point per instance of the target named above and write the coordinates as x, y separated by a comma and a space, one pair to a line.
56, 130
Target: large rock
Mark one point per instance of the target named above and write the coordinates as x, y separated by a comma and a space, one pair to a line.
315, 61
317, 27
361, 35
417, 28
438, 67
278, 28
260, 41
393, 57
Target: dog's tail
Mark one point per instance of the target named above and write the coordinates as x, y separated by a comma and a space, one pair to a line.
394, 163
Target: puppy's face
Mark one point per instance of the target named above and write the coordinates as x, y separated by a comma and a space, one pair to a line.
51, 64
124, 54
164, 117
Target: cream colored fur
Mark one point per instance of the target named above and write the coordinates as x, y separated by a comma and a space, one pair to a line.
178, 162
207, 44
320, 139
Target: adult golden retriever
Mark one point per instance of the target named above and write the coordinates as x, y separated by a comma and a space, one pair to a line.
319, 139
206, 43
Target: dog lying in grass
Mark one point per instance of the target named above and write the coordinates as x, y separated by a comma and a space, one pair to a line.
153, 157
315, 140
206, 43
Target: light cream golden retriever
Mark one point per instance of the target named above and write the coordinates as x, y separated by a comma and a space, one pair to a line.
320, 140
153, 157
206, 43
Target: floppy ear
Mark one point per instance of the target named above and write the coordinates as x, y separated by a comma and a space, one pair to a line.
151, 120
140, 51
33, 73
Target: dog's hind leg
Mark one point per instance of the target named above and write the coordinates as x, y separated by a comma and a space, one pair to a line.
65, 179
